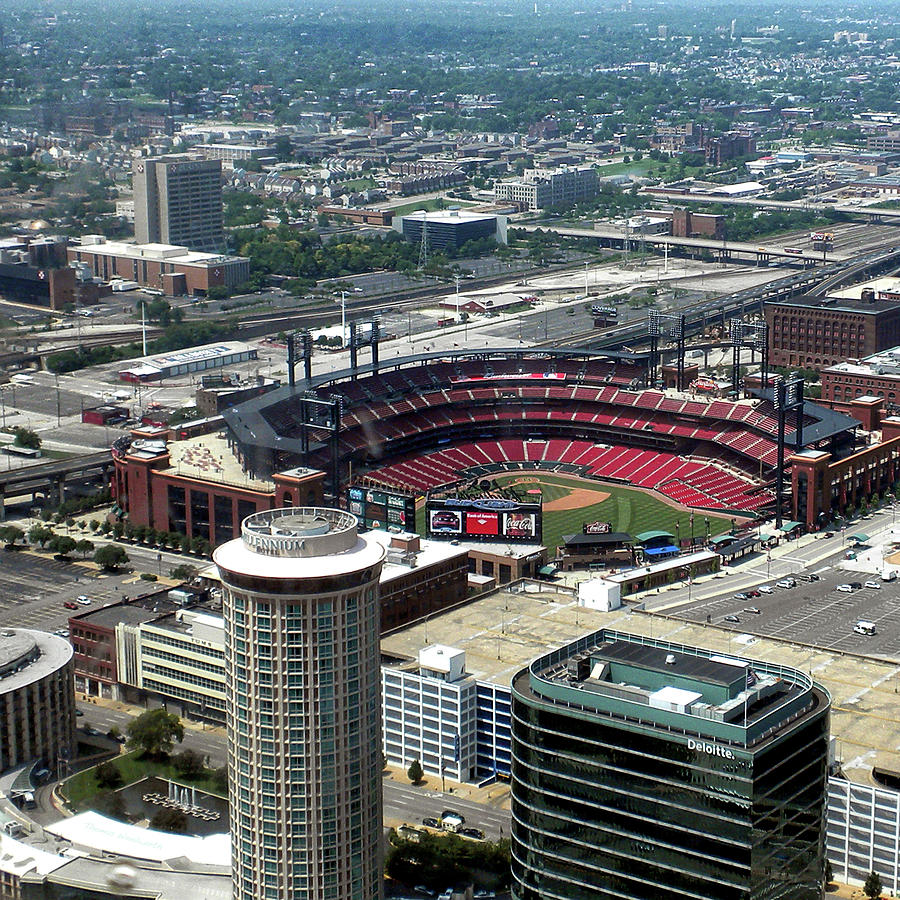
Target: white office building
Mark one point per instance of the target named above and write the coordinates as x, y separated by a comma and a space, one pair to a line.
429, 714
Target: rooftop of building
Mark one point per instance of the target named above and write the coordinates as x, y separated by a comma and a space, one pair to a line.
209, 457
399, 562
840, 303
299, 542
674, 686
19, 859
201, 353
182, 620
27, 656
885, 362
503, 632
170, 253
131, 612
449, 216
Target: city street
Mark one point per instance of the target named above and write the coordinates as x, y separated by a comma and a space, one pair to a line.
402, 803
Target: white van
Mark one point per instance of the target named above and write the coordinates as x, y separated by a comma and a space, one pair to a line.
863, 627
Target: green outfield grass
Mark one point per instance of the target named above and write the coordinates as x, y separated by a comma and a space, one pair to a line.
628, 510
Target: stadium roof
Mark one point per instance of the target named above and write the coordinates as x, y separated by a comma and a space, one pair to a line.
250, 427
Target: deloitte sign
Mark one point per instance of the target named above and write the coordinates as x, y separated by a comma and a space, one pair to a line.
711, 749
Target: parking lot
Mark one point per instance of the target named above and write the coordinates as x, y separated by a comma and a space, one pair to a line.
814, 611
33, 590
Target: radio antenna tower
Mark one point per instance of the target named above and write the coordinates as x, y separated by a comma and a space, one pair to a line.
423, 247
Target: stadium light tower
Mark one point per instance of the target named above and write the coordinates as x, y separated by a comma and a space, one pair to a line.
666, 325
787, 396
749, 335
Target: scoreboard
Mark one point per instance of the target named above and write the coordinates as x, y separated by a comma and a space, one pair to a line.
485, 519
382, 508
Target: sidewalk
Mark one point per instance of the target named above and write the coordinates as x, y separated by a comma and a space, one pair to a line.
132, 710
496, 795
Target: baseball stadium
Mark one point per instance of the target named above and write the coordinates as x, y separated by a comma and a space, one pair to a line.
579, 427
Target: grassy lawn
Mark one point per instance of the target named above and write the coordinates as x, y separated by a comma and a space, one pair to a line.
641, 167
431, 205
82, 790
628, 510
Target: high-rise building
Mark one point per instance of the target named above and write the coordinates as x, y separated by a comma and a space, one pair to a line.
178, 201
303, 706
644, 769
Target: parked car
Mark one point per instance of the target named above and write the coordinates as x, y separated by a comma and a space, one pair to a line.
732, 619
753, 610
474, 833
753, 594
766, 589
845, 588
741, 596
427, 891
786, 583
431, 822
829, 534
70, 604
874, 585
83, 601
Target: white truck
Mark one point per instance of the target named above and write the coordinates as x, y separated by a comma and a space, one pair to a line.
123, 286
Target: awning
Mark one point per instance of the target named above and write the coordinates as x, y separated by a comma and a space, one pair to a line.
860, 538
645, 536
547, 570
790, 526
668, 550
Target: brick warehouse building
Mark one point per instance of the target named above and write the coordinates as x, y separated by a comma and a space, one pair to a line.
877, 375
816, 332
175, 270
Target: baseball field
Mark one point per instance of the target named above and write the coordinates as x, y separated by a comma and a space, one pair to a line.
570, 501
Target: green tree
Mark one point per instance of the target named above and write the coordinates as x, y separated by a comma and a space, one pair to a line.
10, 535
108, 776
84, 546
62, 544
155, 732
188, 764
110, 557
414, 772
26, 437
111, 804
173, 820
40, 534
184, 572
872, 887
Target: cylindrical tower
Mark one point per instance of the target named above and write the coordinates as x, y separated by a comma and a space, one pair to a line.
303, 700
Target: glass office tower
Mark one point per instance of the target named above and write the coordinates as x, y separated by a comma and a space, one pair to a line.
645, 770
303, 696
